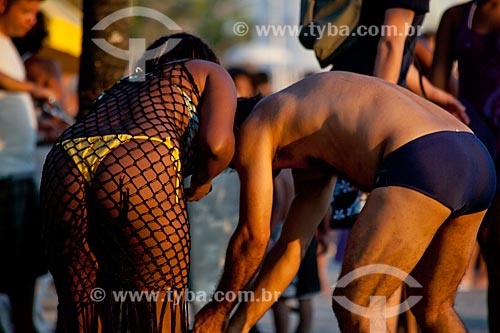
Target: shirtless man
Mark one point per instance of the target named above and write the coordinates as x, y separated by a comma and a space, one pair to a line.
431, 182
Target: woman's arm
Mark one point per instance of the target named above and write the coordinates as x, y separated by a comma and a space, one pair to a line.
216, 137
444, 54
436, 95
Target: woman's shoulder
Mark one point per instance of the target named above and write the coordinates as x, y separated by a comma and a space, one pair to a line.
203, 69
202, 66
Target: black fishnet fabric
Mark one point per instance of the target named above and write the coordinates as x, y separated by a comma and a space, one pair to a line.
123, 226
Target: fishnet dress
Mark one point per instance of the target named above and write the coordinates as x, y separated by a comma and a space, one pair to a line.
114, 211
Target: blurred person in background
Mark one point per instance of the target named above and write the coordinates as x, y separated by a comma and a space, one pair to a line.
243, 80
262, 82
20, 232
46, 72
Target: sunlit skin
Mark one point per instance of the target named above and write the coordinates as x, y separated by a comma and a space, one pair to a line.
327, 124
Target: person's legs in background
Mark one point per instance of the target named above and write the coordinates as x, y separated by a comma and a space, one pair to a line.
20, 248
304, 287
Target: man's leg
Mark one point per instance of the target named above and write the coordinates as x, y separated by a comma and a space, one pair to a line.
440, 272
395, 228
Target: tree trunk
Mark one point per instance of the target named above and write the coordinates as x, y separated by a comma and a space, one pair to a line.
98, 68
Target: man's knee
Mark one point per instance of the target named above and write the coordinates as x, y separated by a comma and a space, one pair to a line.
356, 310
351, 308
431, 316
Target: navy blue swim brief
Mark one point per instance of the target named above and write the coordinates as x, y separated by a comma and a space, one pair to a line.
451, 167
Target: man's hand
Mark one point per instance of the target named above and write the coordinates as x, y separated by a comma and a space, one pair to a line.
208, 320
197, 191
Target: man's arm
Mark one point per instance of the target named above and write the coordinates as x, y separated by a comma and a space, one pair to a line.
249, 241
282, 263
391, 46
283, 192
216, 137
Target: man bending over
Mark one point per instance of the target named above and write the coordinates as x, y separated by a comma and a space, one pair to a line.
431, 181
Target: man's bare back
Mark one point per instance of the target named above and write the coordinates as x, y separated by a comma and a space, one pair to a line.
312, 127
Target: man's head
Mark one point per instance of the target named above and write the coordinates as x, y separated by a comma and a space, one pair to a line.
179, 46
18, 17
